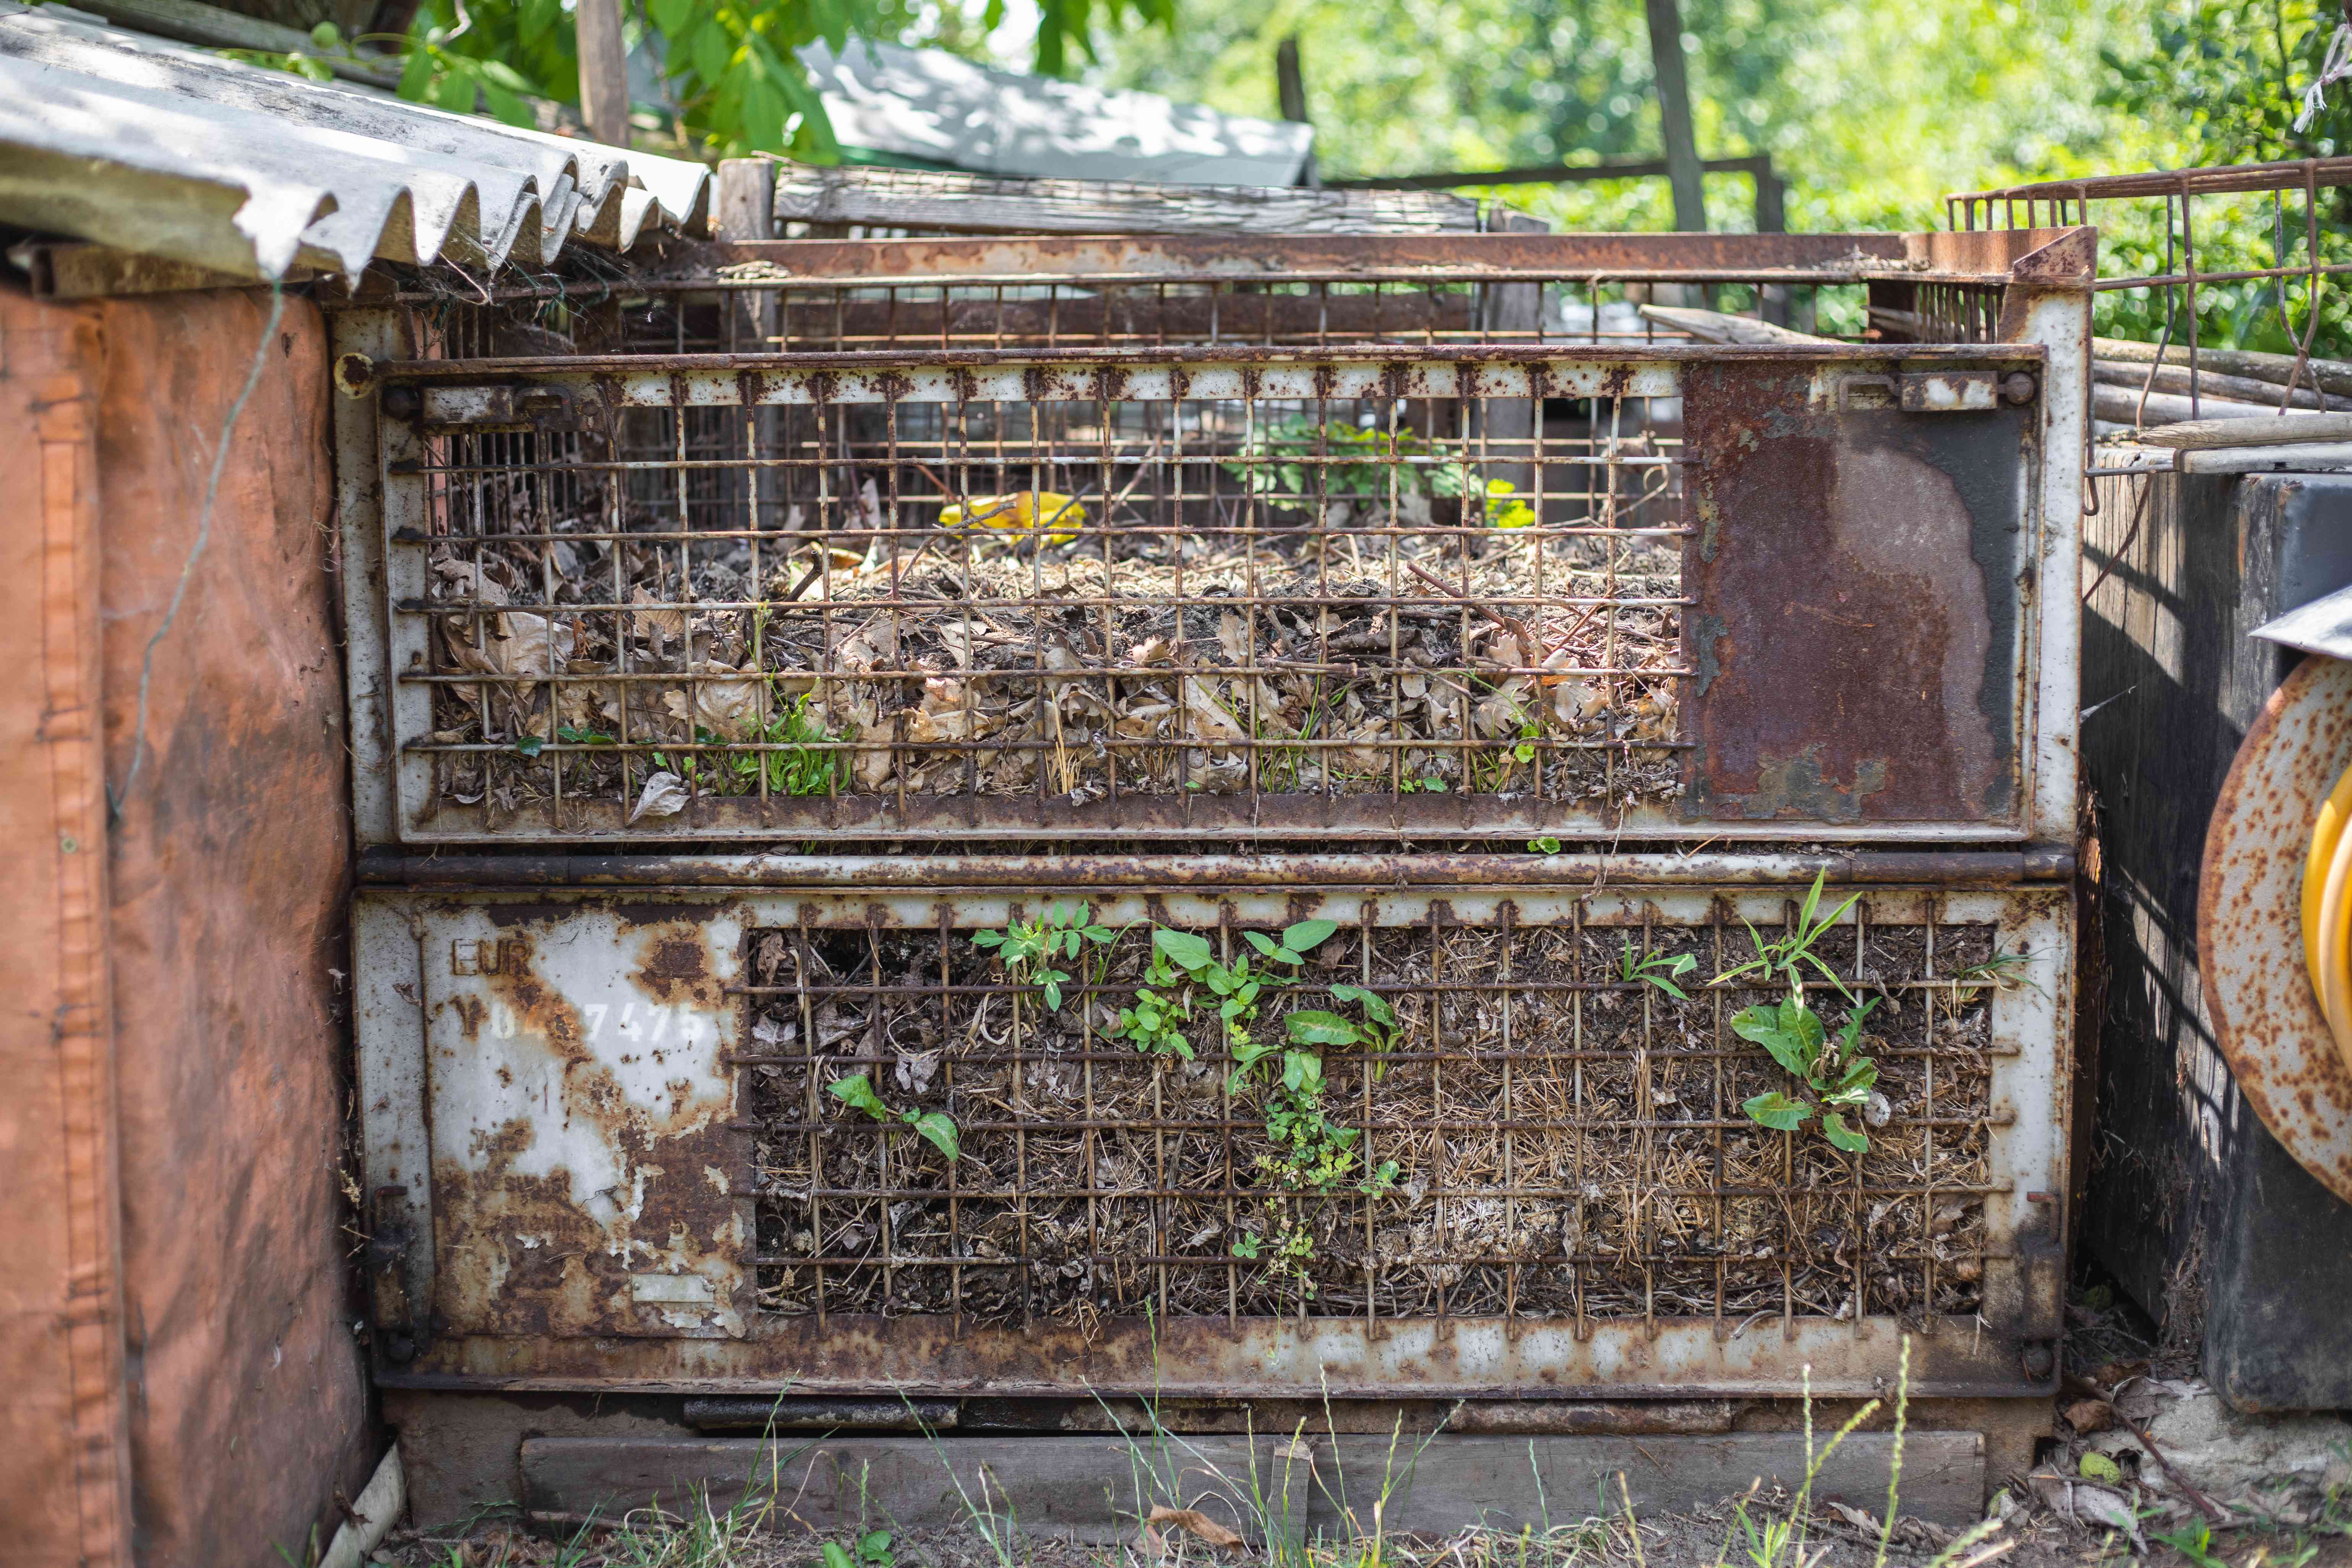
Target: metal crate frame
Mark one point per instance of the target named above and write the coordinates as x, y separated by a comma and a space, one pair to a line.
2026, 290
562, 1192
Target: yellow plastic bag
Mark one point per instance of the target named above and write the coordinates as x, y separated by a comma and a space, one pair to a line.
1024, 512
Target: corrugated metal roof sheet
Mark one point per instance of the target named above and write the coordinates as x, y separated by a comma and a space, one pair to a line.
112, 137
930, 104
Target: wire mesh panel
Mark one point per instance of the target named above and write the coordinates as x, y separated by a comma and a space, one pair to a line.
1335, 595
907, 1135
1542, 1127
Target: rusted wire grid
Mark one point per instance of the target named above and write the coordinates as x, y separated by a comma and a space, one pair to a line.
2069, 201
1482, 1237
481, 491
1081, 310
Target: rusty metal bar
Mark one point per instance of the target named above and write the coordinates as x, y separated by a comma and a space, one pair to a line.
1566, 872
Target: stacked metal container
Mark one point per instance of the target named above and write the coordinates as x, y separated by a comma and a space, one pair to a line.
718, 680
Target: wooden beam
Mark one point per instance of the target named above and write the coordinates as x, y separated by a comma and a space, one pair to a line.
975, 204
603, 71
1683, 168
1349, 258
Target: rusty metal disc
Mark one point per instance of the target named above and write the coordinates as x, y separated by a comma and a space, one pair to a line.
2249, 920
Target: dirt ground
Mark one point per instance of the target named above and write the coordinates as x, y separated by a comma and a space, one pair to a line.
2122, 1384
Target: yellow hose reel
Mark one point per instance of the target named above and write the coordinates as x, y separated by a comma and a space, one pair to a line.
2274, 919
2327, 913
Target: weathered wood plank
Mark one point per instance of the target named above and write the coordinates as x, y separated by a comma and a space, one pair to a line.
981, 204
2239, 427
1722, 327
2327, 375
1095, 1489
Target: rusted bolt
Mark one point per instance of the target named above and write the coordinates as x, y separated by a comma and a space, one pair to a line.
402, 402
2039, 1360
399, 1349
353, 372
2018, 386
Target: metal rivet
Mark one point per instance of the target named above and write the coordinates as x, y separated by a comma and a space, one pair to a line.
402, 402
2019, 387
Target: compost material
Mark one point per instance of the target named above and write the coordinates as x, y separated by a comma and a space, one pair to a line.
1565, 1142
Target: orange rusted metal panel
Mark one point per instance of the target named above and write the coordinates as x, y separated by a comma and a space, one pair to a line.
179, 1334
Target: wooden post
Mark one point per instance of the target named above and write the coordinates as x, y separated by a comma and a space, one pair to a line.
1674, 115
1290, 89
743, 206
1772, 219
1289, 82
603, 72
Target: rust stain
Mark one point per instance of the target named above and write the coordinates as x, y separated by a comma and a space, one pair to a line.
1879, 685
2249, 920
582, 1170
1257, 1358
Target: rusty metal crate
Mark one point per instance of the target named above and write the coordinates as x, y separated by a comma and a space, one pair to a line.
604, 1152
1809, 609
1317, 566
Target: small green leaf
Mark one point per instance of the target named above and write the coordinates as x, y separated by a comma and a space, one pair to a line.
1543, 846
1777, 1111
1435, 786
875, 1546
988, 938
1859, 1077
1853, 1140
834, 1557
1782, 1031
1524, 751
857, 1092
1184, 948
1308, 935
1376, 1006
530, 744
1311, 1027
937, 1128
1265, 944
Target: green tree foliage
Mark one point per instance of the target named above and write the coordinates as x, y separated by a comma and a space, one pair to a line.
2226, 81
731, 63
1871, 114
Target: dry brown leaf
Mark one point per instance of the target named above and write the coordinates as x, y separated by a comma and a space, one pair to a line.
1193, 1522
2090, 1415
660, 626
470, 582
531, 645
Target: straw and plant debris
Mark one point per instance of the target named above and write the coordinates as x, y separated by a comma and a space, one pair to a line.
1249, 633
1331, 1119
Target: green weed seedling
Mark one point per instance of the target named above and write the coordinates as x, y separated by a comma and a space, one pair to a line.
936, 1127
1783, 961
871, 1550
1029, 948
1311, 1027
794, 758
2194, 1542
1237, 986
1840, 1079
1547, 845
1279, 459
1654, 969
